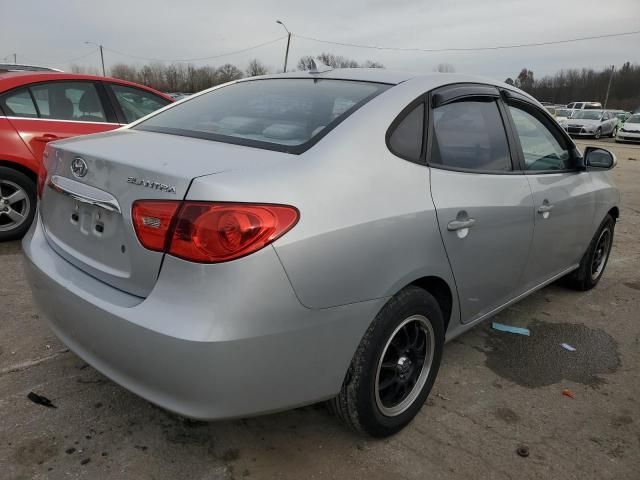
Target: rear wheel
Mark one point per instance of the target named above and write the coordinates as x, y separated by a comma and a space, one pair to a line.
395, 366
595, 259
614, 132
17, 203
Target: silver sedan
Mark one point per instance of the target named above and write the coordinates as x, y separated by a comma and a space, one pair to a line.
592, 123
312, 236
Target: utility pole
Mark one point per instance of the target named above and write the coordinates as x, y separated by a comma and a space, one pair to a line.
606, 98
286, 54
102, 60
15, 58
101, 56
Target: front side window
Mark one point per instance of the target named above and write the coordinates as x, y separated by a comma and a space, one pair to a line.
406, 139
541, 149
136, 103
277, 114
78, 101
470, 135
19, 104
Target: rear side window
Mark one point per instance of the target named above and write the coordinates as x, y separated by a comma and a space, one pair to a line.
136, 103
77, 101
19, 104
288, 115
406, 140
470, 135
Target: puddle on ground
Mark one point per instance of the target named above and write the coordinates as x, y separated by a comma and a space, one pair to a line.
539, 360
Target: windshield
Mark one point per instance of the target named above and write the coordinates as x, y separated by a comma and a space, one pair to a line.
633, 119
562, 112
587, 115
286, 114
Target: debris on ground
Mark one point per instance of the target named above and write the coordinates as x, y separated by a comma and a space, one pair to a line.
40, 400
568, 393
568, 347
439, 395
84, 461
523, 451
510, 329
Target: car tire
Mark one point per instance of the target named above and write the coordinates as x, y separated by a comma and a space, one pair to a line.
16, 216
392, 371
595, 260
598, 133
614, 132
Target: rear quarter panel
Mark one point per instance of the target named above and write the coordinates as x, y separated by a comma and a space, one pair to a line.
367, 223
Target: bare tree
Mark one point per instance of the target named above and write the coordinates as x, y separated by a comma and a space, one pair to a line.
444, 68
255, 68
124, 72
81, 69
372, 64
305, 63
509, 81
525, 79
227, 73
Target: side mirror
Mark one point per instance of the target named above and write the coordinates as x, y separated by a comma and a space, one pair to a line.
597, 157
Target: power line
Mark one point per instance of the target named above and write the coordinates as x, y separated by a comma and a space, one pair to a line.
469, 49
196, 59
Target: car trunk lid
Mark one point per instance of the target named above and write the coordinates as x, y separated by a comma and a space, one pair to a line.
92, 183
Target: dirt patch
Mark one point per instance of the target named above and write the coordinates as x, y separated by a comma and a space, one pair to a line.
539, 360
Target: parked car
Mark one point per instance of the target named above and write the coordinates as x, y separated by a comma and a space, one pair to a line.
584, 106
562, 115
280, 241
622, 117
37, 107
630, 131
17, 67
592, 123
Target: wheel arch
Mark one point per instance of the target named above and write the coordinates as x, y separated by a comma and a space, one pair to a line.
441, 291
615, 213
20, 168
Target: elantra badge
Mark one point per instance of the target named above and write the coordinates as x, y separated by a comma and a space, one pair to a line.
152, 184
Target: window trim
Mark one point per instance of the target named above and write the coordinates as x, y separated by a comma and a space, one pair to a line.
421, 160
515, 166
547, 121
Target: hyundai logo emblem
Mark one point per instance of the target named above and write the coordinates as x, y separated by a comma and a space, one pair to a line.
79, 167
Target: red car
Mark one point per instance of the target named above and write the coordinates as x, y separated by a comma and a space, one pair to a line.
38, 107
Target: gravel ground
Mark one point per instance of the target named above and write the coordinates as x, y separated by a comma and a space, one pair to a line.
495, 392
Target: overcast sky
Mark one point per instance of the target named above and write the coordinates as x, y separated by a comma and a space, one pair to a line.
53, 32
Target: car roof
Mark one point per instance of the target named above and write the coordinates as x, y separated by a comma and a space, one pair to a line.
10, 80
380, 75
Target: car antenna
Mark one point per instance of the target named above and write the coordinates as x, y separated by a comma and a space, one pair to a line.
318, 67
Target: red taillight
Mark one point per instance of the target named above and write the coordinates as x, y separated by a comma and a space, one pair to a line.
212, 232
152, 220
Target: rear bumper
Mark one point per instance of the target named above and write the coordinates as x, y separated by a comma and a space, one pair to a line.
209, 342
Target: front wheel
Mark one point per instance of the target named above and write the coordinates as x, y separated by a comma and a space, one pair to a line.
595, 259
17, 203
598, 134
614, 132
394, 367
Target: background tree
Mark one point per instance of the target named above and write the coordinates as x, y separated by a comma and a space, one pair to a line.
525, 79
228, 72
372, 64
509, 81
256, 68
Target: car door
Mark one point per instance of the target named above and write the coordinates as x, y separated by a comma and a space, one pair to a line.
131, 103
563, 193
483, 202
47, 111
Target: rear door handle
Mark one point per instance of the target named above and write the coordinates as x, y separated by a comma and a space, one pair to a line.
545, 208
47, 137
460, 224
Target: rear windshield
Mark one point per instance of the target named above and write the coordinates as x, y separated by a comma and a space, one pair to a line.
286, 114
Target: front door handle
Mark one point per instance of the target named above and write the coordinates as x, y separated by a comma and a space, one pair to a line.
460, 224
